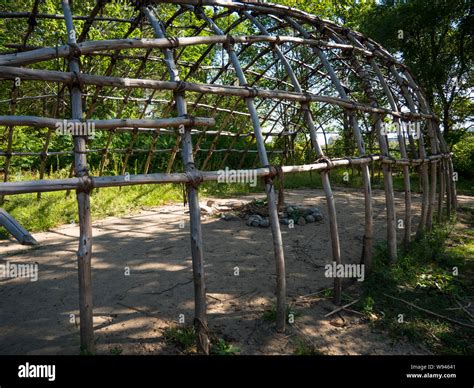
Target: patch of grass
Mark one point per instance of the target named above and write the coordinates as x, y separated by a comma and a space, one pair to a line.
225, 190
116, 351
271, 314
465, 186
57, 209
222, 348
54, 209
184, 337
305, 349
327, 293
425, 276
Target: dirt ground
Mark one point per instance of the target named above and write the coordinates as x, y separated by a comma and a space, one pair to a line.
130, 312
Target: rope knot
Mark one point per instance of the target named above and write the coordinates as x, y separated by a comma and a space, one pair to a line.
74, 51
229, 42
192, 120
253, 92
194, 176
87, 184
325, 159
180, 87
77, 80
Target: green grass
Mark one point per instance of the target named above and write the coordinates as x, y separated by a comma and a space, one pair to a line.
271, 314
54, 209
185, 337
116, 351
465, 186
305, 349
220, 347
424, 276
312, 180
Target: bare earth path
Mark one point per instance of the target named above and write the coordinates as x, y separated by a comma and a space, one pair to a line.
130, 312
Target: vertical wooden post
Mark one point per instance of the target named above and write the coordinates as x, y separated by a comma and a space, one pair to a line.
334, 233
433, 176
271, 199
200, 320
442, 189
403, 153
368, 228
434, 150
386, 168
83, 200
44, 154
423, 155
441, 146
9, 135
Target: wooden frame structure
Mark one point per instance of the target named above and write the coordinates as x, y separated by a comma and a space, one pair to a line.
293, 66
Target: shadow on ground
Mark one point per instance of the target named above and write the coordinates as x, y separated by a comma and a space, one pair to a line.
130, 312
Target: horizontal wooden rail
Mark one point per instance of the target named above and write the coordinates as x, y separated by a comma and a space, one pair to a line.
83, 183
48, 122
7, 72
47, 53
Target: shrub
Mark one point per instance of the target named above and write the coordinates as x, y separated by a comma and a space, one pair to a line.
463, 158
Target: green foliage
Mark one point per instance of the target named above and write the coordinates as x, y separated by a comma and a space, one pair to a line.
424, 276
436, 47
270, 315
221, 348
116, 351
303, 348
342, 11
57, 209
434, 38
368, 305
183, 337
463, 158
295, 214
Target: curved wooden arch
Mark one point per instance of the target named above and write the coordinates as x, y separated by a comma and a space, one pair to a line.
301, 67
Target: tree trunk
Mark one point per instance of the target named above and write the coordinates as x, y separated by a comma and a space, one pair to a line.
446, 119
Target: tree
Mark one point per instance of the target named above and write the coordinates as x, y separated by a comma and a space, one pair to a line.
434, 38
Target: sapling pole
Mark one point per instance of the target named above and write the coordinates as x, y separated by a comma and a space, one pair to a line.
84, 253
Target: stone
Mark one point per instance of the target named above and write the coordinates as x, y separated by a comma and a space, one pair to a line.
318, 217
207, 209
230, 217
254, 220
301, 221
285, 221
265, 223
312, 211
290, 209
310, 218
